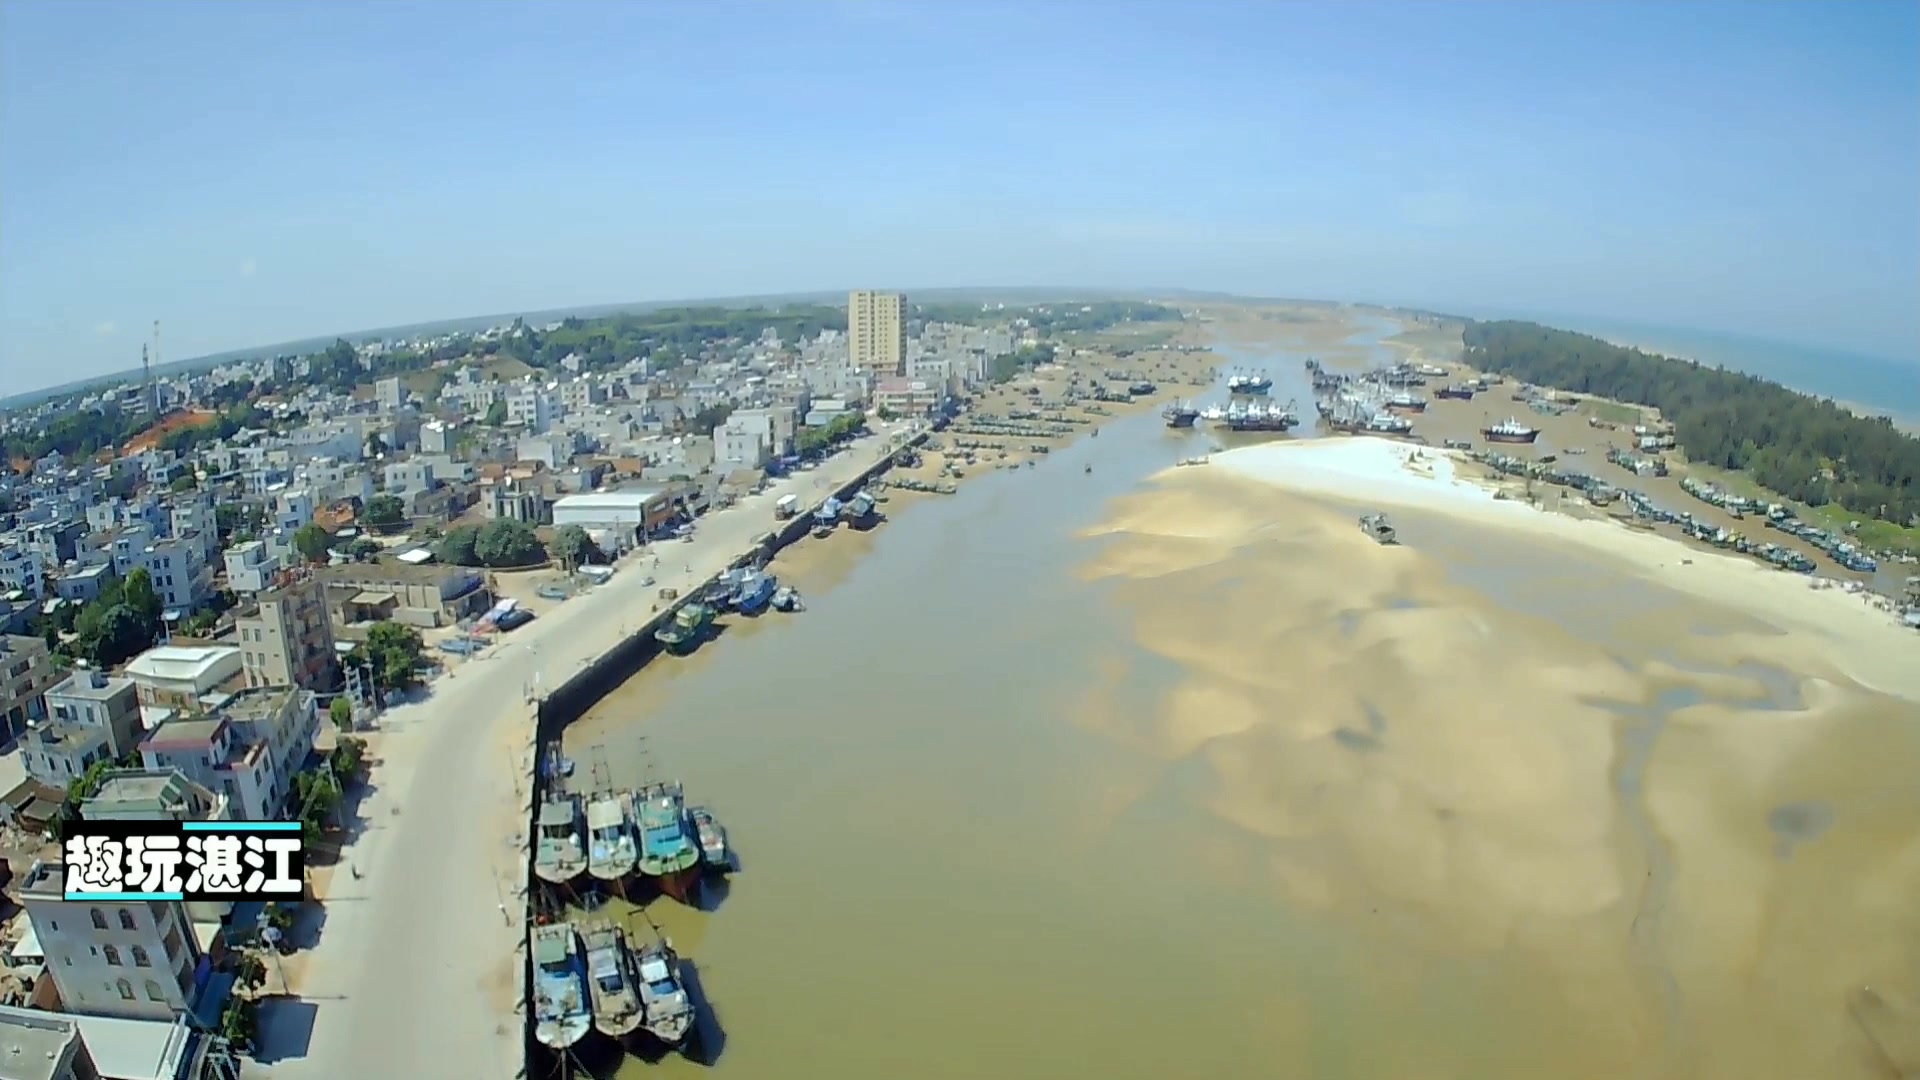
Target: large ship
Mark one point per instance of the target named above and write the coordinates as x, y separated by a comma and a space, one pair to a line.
1457, 391
669, 846
666, 1007
562, 1010
610, 852
1254, 385
686, 630
1407, 403
610, 975
1259, 416
559, 855
1180, 414
1510, 430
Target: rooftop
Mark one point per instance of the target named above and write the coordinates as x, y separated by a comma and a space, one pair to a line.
91, 684
137, 1049
184, 734
259, 702
62, 736
35, 1045
183, 663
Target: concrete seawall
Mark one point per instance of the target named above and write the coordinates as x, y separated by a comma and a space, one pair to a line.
570, 700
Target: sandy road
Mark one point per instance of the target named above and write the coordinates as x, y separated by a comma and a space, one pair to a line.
417, 971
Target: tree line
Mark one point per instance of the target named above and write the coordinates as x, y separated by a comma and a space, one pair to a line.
1807, 449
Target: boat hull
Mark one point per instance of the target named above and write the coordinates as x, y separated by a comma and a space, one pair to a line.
682, 885
1407, 407
1508, 436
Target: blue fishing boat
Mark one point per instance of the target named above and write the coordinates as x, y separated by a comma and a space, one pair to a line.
562, 1005
755, 592
669, 845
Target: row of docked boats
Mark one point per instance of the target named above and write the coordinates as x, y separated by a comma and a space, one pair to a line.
1239, 414
590, 977
616, 836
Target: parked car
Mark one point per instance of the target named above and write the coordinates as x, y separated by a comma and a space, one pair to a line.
513, 620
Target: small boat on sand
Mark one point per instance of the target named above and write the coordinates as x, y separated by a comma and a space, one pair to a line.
1378, 527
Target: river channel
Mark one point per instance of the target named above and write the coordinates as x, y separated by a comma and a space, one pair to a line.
957, 859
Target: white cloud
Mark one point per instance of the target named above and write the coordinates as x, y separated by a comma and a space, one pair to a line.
248, 266
105, 329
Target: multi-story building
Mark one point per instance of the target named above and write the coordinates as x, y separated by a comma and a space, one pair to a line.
127, 958
251, 567
177, 567
26, 673
389, 393
22, 569
91, 717
286, 637
436, 437
531, 406
248, 750
877, 332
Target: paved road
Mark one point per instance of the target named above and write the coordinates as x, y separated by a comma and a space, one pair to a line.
417, 972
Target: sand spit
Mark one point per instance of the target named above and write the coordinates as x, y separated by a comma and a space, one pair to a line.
1872, 648
1631, 849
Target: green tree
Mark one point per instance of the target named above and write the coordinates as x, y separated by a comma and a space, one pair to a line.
457, 547
249, 971
186, 481
312, 542
497, 413
341, 713
384, 509
394, 650
118, 635
138, 594
349, 757
376, 445
506, 542
573, 547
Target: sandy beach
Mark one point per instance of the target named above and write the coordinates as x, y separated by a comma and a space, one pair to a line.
1618, 778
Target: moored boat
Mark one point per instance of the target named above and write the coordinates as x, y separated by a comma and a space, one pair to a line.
1510, 430
562, 1009
1180, 414
669, 847
1457, 391
687, 629
825, 518
1407, 403
713, 839
1378, 527
559, 855
863, 511
613, 981
667, 1011
786, 598
1255, 385
755, 592
611, 852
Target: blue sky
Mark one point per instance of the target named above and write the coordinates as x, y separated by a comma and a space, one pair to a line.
254, 173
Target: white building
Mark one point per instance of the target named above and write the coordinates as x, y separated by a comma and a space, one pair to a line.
251, 568
184, 676
436, 437
389, 393
293, 508
21, 569
178, 568
247, 750
405, 478
91, 717
531, 406
625, 513
133, 958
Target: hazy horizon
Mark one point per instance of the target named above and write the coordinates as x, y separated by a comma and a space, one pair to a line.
251, 176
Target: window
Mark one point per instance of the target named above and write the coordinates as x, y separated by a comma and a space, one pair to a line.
125, 988
112, 954
99, 918
140, 958
154, 993
126, 920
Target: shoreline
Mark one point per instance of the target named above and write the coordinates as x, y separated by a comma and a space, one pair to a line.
1369, 473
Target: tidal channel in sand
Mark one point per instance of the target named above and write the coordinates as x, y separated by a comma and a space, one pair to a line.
1068, 777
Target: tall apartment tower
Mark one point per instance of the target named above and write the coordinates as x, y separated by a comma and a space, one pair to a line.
877, 332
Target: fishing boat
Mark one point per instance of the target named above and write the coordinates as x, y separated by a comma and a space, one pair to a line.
614, 983
713, 839
863, 511
559, 856
666, 1007
686, 630
719, 595
1180, 414
1456, 391
1388, 424
610, 848
786, 598
562, 1008
1378, 527
1213, 414
1254, 385
825, 518
1259, 416
755, 592
1510, 430
669, 846
1141, 388
1407, 403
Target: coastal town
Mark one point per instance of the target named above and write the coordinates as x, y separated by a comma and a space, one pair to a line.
230, 592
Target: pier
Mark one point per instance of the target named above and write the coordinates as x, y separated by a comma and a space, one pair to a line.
746, 541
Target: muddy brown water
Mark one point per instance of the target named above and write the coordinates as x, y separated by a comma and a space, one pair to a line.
1227, 790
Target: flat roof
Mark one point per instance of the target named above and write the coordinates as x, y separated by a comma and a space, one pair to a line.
632, 498
183, 662
176, 734
136, 1049
34, 1043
